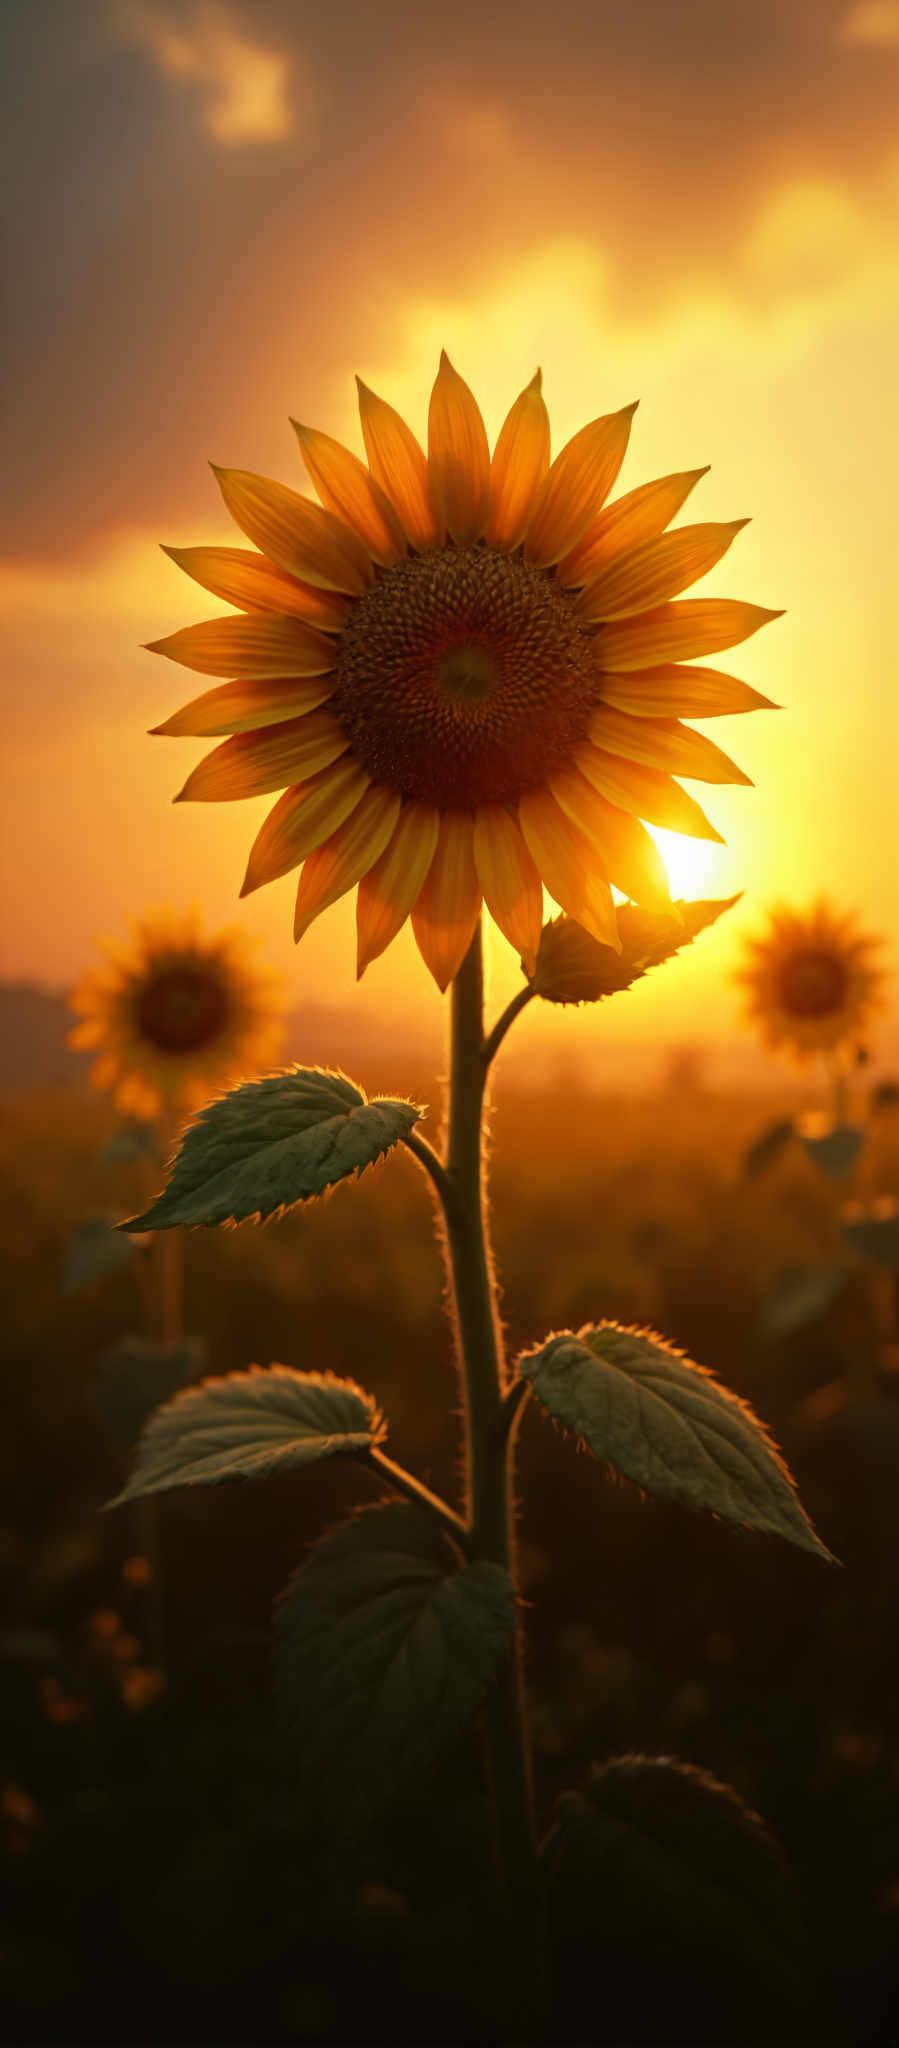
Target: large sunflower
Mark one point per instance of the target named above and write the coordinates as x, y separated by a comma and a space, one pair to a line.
466, 675
809, 980
174, 1015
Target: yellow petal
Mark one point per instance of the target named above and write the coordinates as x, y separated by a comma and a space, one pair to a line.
244, 706
255, 585
656, 569
252, 763
300, 537
629, 855
646, 792
255, 644
576, 486
663, 743
513, 891
569, 865
674, 632
677, 691
458, 455
346, 488
302, 818
400, 466
520, 462
638, 516
349, 853
386, 894
446, 912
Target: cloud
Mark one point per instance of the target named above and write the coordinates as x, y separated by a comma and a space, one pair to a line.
250, 92
871, 24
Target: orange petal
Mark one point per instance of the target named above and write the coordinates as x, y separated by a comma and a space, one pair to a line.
301, 537
569, 866
302, 818
678, 691
656, 569
646, 792
386, 894
638, 516
445, 915
256, 585
629, 855
674, 632
520, 462
252, 763
346, 488
458, 455
663, 743
244, 706
400, 466
513, 891
349, 853
253, 644
576, 486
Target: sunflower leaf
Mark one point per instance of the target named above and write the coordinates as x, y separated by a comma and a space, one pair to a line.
669, 1426
772, 1140
829, 1144
384, 1651
269, 1144
573, 967
248, 1424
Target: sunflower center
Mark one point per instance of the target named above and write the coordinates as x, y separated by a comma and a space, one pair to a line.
464, 677
181, 1008
812, 984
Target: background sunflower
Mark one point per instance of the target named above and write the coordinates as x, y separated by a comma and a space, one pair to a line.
809, 981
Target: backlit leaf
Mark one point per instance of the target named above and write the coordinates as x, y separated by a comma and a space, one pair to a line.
768, 1146
249, 1424
573, 967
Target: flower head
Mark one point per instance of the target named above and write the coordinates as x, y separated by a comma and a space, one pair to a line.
465, 674
174, 1015
809, 980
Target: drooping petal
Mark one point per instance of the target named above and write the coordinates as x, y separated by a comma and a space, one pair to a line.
639, 515
674, 690
458, 455
520, 463
449, 903
302, 818
655, 570
664, 743
349, 853
513, 891
569, 865
252, 763
241, 707
300, 537
345, 487
576, 485
251, 644
255, 585
677, 631
628, 853
645, 792
400, 466
386, 894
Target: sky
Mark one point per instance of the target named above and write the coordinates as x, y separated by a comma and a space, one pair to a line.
219, 213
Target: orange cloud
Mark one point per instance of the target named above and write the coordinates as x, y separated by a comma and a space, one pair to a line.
251, 93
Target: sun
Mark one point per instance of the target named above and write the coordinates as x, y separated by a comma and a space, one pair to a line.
692, 865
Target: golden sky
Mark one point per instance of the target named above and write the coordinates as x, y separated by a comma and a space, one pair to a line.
223, 211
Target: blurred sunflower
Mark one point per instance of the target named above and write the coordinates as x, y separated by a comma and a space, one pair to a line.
466, 675
175, 1015
809, 980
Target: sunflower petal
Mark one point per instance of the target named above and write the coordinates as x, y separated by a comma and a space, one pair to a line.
674, 690
520, 463
674, 632
656, 569
254, 643
646, 792
345, 487
386, 894
576, 486
664, 743
513, 891
243, 706
628, 853
302, 818
638, 516
252, 763
349, 853
400, 466
568, 865
255, 585
446, 912
458, 455
300, 537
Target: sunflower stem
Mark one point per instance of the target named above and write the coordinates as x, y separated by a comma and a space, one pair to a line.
503, 1023
414, 1490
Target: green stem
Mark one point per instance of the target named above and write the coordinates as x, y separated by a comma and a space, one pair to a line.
414, 1489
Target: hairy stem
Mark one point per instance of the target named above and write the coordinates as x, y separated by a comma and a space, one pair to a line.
414, 1489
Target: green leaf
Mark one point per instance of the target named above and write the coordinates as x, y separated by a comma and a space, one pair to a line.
134, 1376
95, 1250
384, 1651
669, 1425
269, 1144
573, 967
767, 1147
830, 1144
250, 1423
872, 1229
800, 1295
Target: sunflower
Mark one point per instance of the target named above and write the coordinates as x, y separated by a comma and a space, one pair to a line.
809, 980
175, 1015
466, 675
